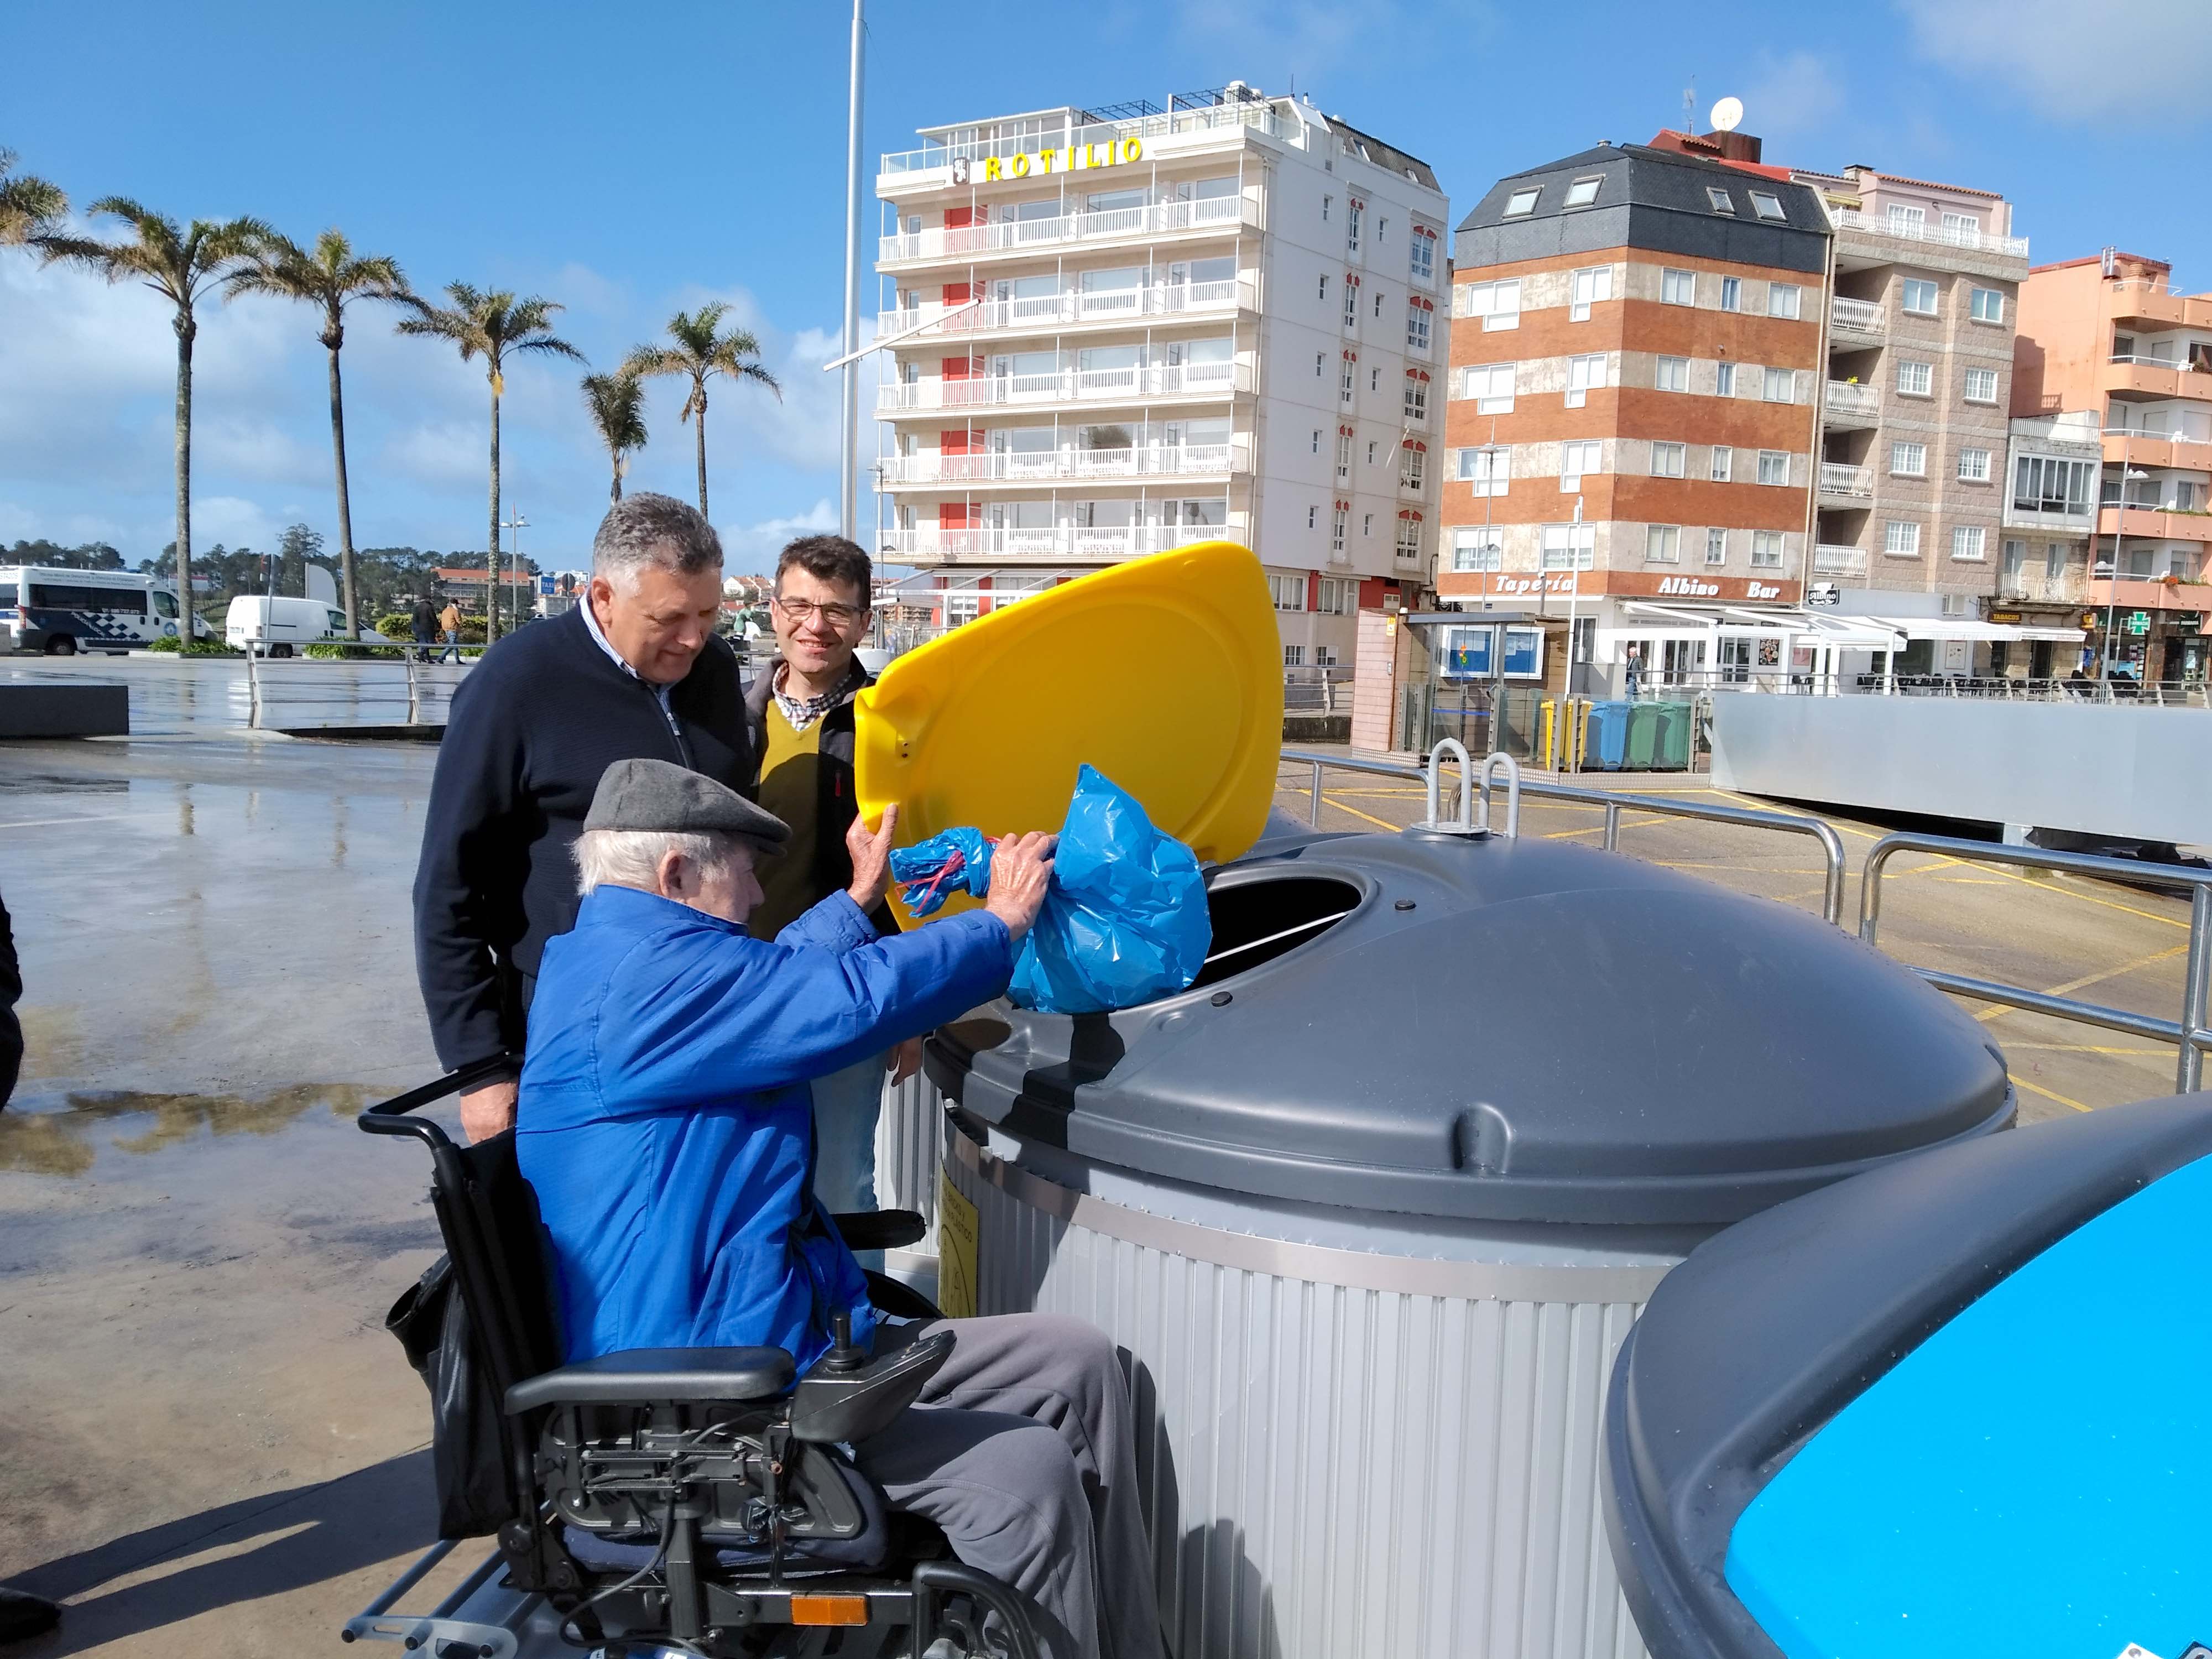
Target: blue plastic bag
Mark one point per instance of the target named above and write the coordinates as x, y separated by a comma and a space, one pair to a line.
1124, 921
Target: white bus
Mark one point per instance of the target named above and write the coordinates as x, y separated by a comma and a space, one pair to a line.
61, 612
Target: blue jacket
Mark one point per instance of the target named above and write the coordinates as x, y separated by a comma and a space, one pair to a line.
665, 1119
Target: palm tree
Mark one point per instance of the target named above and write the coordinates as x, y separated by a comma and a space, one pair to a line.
332, 276
702, 354
492, 326
29, 207
181, 266
616, 401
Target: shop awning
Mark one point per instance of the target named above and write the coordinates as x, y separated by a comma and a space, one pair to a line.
1959, 628
1810, 626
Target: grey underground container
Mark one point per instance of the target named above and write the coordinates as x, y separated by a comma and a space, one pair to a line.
1370, 1208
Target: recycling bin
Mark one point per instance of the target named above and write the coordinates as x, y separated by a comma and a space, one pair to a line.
1371, 1206
1957, 1404
1643, 753
1565, 733
1675, 724
1605, 749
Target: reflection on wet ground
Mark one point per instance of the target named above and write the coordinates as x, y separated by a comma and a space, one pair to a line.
65, 1140
214, 695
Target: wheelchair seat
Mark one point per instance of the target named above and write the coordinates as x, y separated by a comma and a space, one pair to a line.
704, 1498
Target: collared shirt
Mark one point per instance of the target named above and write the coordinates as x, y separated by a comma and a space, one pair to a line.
661, 692
802, 712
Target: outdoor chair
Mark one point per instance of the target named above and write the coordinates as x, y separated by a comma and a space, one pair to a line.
690, 1499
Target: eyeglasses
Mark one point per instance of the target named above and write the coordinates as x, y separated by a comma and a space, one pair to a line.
803, 612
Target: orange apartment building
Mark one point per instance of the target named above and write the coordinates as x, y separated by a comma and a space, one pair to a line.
1631, 422
2108, 334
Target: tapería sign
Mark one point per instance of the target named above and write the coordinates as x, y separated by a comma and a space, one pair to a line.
1068, 158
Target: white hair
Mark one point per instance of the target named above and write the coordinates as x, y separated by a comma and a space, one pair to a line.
631, 858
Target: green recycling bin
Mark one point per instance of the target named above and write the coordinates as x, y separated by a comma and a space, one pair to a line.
1643, 737
1677, 720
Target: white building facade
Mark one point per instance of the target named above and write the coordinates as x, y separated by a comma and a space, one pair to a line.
1115, 332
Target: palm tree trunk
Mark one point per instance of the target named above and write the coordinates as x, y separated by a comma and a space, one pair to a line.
186, 328
614, 489
345, 508
492, 604
702, 455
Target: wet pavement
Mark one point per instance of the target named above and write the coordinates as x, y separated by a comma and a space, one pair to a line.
214, 697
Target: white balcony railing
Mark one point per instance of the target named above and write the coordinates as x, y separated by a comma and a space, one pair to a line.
1838, 562
1051, 310
1051, 465
1055, 542
1257, 113
1837, 479
2180, 435
1856, 317
1854, 398
1217, 213
1197, 382
1948, 236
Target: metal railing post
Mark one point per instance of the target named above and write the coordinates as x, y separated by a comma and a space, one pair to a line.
1613, 826
1313, 807
407, 655
2196, 986
252, 689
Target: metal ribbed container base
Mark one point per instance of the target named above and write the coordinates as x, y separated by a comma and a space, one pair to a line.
1343, 1453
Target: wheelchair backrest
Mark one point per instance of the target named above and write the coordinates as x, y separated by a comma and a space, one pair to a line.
489, 1216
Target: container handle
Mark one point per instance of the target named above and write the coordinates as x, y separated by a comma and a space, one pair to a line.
1466, 821
1494, 760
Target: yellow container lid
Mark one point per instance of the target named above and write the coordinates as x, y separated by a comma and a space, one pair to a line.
1164, 673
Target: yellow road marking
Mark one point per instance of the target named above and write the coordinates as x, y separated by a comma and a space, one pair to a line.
2087, 980
2038, 1089
2080, 1047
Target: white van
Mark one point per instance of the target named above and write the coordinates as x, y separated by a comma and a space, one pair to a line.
61, 612
278, 626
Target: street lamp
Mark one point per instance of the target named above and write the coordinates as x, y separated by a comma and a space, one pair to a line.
2127, 476
515, 524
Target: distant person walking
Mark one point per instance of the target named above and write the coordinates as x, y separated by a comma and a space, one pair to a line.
449, 623
635, 671
422, 623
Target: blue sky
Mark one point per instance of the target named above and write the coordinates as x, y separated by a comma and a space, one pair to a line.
627, 161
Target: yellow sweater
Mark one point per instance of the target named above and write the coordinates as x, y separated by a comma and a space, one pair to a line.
790, 788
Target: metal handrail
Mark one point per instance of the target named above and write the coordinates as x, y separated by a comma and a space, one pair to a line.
1795, 823
2189, 1032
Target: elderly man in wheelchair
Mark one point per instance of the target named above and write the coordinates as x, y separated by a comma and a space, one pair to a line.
671, 1486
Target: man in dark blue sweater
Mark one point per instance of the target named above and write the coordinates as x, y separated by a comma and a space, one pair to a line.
635, 671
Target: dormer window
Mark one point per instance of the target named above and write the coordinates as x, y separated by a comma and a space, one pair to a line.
1768, 207
1583, 191
1521, 202
1722, 203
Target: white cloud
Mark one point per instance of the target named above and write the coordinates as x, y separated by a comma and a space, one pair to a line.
2074, 63
751, 550
234, 522
1792, 95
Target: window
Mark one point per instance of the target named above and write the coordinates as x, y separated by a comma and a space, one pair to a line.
1336, 529
1591, 287
1477, 548
1289, 593
1423, 255
1583, 191
1901, 539
1499, 304
1370, 451
1981, 385
1908, 460
1780, 387
1418, 312
1412, 465
1310, 519
1915, 379
2054, 562
1962, 230
1351, 306
1575, 460
1320, 358
1768, 206
1294, 656
1774, 467
1986, 304
1724, 379
1723, 463
1351, 378
1919, 297
1324, 286
1417, 397
1678, 287
1486, 470
1584, 374
1973, 466
1409, 535
1720, 199
1906, 221
1716, 547
1333, 596
1766, 550
2015, 561
1491, 386
1967, 541
1731, 294
1672, 374
2043, 483
1316, 440
1374, 380
1354, 208
1663, 544
1343, 454
1668, 460
1367, 524
1326, 202
1570, 546
1378, 309
1522, 201
1784, 299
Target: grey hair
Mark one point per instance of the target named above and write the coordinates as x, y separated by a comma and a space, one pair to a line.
631, 858
648, 529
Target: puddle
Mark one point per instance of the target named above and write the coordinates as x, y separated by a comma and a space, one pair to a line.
66, 1141
49, 783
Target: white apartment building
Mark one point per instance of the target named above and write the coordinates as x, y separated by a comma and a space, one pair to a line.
1116, 331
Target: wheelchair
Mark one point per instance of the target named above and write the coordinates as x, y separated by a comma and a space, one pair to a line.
698, 1501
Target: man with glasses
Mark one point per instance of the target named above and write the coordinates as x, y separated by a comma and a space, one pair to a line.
800, 713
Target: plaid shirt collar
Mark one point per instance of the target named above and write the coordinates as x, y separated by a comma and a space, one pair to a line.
803, 712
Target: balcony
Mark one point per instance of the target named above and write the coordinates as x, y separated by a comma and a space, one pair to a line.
2154, 377
1854, 483
1068, 464
2127, 446
2150, 593
1217, 216
2032, 586
1156, 132
1838, 562
1857, 322
1050, 312
2154, 523
2151, 302
1852, 403
1186, 382
1060, 543
1978, 241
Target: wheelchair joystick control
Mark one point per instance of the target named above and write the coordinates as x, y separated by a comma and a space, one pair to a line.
845, 1356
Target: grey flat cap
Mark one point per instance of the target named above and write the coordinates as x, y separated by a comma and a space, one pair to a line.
670, 800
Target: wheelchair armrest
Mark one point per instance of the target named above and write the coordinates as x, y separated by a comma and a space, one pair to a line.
880, 1230
656, 1377
830, 1405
